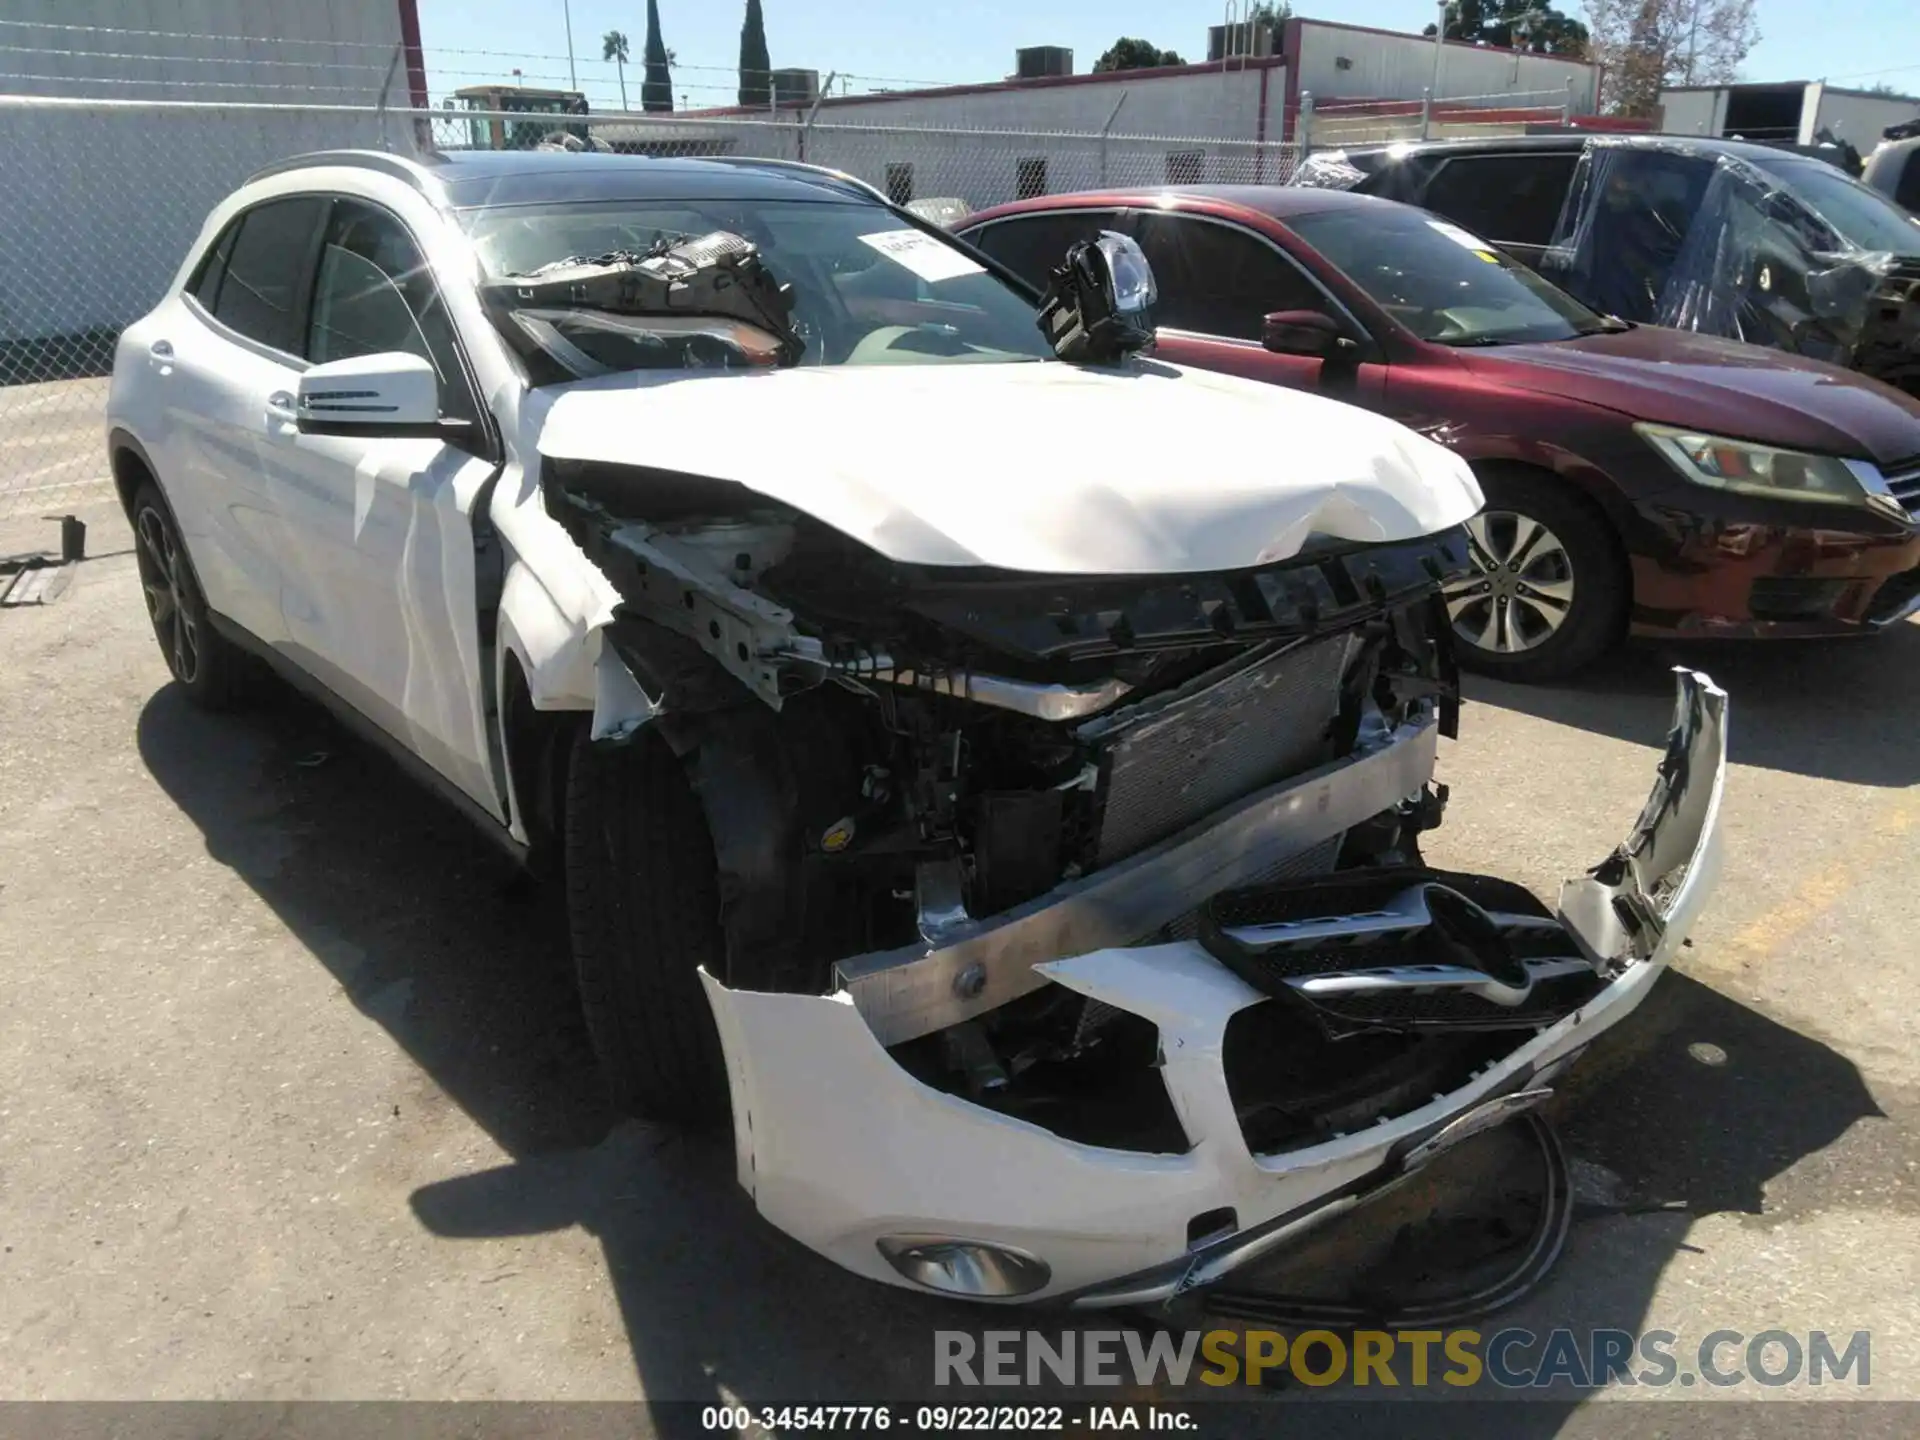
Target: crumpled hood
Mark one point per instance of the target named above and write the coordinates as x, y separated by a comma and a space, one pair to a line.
1675, 377
1042, 467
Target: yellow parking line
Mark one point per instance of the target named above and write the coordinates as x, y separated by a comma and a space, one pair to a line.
1816, 895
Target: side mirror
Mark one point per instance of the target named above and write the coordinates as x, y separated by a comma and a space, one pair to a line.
391, 393
1129, 274
1098, 305
1301, 332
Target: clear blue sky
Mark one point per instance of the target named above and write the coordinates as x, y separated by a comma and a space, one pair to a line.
901, 41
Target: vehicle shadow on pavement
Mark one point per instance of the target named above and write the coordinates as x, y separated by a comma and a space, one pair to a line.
1701, 1106
464, 962
437, 940
1835, 710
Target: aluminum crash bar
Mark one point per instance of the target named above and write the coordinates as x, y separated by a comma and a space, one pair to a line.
915, 990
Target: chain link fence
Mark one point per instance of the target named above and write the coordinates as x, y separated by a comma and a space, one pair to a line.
105, 195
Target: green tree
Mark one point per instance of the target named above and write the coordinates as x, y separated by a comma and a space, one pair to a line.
613, 46
1647, 45
656, 89
1127, 53
1517, 25
756, 67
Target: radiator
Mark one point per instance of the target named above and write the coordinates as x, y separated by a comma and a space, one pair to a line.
1174, 759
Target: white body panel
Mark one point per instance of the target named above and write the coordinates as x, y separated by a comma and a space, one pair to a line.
377, 588
353, 557
198, 401
1146, 469
860, 1150
841, 1147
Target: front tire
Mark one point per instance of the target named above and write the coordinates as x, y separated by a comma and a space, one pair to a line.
1549, 591
643, 904
207, 666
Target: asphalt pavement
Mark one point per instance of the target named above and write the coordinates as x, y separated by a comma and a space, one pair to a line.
295, 1100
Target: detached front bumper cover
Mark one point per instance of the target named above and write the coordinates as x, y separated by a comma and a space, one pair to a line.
845, 1151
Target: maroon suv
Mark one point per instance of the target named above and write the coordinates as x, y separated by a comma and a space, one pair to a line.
1636, 477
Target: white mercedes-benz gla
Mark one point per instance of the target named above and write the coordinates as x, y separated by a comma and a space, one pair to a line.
993, 782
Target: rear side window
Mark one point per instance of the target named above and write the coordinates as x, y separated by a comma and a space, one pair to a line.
260, 293
205, 285
1032, 246
1513, 199
1217, 279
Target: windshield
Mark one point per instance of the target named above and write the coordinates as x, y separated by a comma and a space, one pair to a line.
1865, 217
868, 289
1440, 282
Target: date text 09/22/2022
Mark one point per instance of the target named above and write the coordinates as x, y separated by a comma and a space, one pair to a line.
938, 1419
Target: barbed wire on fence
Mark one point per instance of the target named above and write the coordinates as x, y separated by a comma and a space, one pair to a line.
303, 57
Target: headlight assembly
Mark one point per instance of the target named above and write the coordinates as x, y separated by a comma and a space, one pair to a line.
1754, 469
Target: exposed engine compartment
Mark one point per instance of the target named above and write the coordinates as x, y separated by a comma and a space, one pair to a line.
891, 755
931, 746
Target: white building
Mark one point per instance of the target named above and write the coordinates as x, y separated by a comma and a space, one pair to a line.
1234, 119
1795, 111
122, 122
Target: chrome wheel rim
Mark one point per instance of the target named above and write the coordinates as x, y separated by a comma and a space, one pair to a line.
1521, 590
168, 586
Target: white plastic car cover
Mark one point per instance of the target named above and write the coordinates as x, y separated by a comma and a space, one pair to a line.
1039, 466
1327, 170
1747, 258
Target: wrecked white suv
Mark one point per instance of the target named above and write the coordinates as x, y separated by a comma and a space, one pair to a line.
995, 781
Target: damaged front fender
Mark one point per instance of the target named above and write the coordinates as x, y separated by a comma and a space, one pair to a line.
900, 1182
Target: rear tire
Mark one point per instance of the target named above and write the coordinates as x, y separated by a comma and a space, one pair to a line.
643, 904
1550, 590
210, 669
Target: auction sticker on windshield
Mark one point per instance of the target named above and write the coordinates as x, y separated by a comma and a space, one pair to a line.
1465, 241
923, 255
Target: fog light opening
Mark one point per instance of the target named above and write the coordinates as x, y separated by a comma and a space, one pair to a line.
965, 1267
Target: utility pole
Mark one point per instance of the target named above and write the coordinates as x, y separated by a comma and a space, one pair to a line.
1693, 39
573, 76
1439, 48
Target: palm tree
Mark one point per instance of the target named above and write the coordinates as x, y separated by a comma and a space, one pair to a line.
613, 46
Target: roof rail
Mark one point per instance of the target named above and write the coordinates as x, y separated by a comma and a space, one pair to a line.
846, 181
413, 172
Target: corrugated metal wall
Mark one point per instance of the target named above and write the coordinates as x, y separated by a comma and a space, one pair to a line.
1693, 112
99, 207
250, 49
1860, 119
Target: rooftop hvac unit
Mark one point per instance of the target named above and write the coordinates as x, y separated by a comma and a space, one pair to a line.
1247, 38
1037, 60
796, 87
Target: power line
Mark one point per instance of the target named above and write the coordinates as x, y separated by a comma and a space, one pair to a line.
1869, 74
